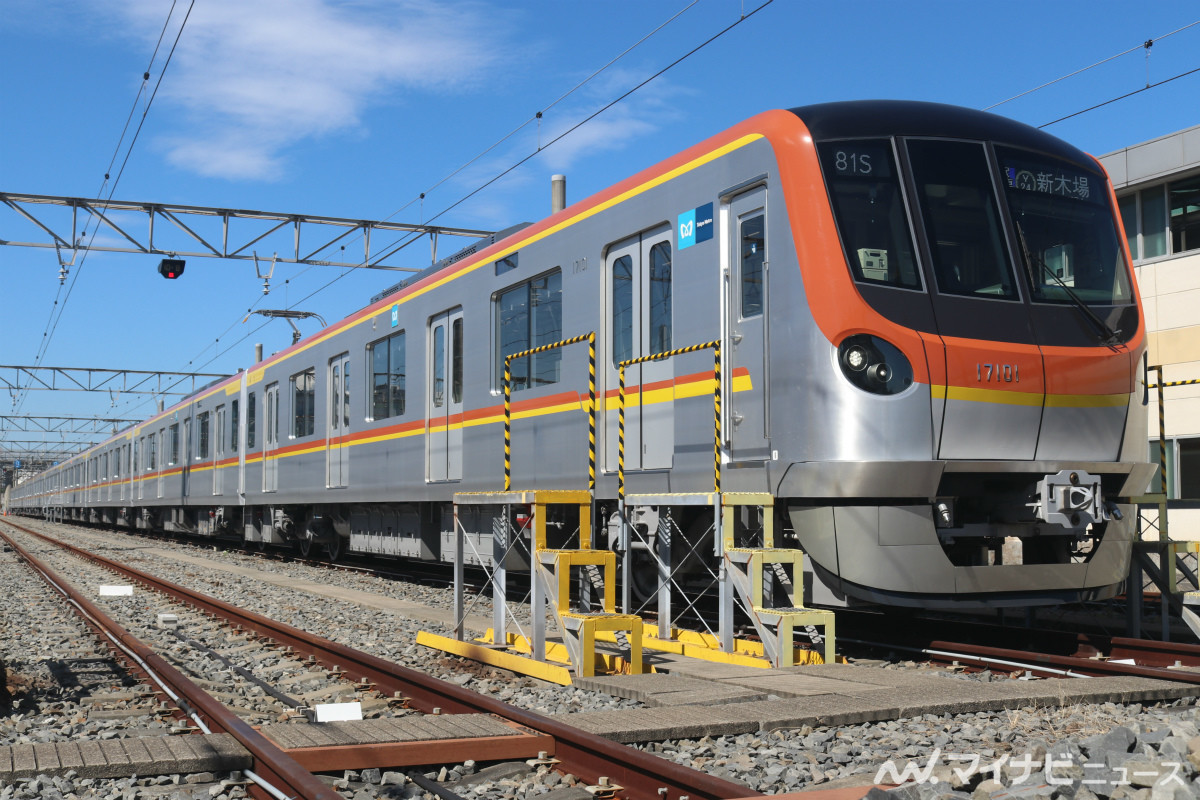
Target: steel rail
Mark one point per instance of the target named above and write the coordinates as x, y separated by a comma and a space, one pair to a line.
1085, 666
279, 772
642, 775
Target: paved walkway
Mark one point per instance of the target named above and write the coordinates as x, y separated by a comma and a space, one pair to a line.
703, 699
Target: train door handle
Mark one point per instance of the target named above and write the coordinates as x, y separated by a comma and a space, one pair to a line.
737, 418
735, 337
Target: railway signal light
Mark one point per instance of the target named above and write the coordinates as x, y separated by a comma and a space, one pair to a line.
171, 267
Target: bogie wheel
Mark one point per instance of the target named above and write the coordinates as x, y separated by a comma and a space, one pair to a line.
304, 546
335, 548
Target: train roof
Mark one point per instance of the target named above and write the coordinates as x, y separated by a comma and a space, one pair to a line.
867, 118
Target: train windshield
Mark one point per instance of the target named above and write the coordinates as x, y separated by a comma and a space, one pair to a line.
1065, 229
962, 218
864, 188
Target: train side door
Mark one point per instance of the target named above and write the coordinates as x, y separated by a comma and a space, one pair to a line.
162, 458
139, 458
218, 474
445, 397
746, 352
185, 471
270, 466
337, 466
638, 288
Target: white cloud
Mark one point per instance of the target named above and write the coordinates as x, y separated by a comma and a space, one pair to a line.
257, 77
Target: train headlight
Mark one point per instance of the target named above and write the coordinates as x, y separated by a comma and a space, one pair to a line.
856, 358
874, 365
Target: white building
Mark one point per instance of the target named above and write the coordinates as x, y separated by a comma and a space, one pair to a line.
1158, 190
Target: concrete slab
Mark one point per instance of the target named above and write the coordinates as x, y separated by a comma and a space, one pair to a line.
638, 687
839, 694
24, 761
115, 755
46, 754
95, 765
711, 696
158, 749
69, 756
796, 685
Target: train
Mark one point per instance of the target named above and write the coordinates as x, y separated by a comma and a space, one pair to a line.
932, 351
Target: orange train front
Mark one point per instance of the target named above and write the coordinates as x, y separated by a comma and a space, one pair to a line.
931, 347
982, 413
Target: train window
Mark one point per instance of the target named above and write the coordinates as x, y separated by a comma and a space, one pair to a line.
1065, 230
202, 421
251, 421
173, 452
387, 357
506, 264
304, 395
456, 360
233, 425
529, 315
271, 407
622, 301
753, 252
439, 366
660, 298
959, 206
152, 461
864, 189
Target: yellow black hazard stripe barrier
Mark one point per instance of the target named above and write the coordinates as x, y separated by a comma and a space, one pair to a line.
715, 346
590, 338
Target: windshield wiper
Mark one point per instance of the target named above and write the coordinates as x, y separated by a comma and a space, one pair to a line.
1109, 337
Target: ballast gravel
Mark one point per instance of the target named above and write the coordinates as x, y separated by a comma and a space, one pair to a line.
1085, 752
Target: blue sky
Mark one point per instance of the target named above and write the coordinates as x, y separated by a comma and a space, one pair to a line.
353, 109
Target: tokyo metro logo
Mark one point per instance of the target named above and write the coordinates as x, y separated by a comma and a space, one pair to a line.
695, 226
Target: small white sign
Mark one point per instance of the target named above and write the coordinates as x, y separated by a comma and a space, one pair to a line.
337, 712
116, 591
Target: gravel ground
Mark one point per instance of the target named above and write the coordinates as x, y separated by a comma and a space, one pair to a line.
1107, 751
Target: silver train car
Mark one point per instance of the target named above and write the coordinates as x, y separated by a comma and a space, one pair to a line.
932, 345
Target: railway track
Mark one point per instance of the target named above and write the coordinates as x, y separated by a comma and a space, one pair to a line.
598, 761
1039, 652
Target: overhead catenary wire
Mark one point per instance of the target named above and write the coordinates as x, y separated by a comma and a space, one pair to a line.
1122, 97
398, 245
59, 306
539, 114
1146, 45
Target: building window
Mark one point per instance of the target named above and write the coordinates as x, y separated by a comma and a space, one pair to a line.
1163, 219
1154, 223
387, 358
1183, 468
529, 315
1183, 198
304, 395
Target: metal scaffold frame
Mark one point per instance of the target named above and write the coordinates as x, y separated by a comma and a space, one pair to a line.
749, 573
184, 221
1161, 559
